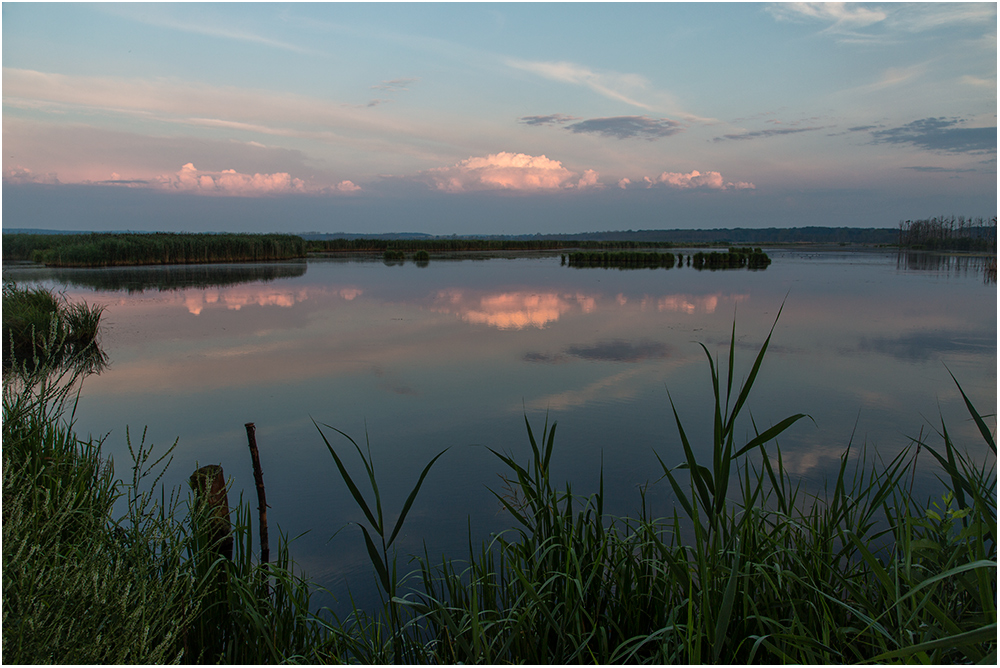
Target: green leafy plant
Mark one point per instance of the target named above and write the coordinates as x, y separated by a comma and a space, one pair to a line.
383, 558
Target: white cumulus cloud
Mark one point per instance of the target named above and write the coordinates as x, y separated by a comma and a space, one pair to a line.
694, 179
588, 180
20, 175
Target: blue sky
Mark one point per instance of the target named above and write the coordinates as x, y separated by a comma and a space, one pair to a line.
468, 118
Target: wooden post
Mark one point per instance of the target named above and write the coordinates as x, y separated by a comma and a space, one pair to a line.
209, 485
258, 476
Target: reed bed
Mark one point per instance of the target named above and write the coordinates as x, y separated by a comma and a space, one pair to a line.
42, 329
113, 250
620, 259
84, 585
734, 258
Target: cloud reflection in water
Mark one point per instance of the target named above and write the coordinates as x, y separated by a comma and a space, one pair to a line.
236, 298
511, 310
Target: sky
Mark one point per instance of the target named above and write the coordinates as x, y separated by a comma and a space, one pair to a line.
496, 118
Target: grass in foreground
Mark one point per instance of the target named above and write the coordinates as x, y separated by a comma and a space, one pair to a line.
82, 585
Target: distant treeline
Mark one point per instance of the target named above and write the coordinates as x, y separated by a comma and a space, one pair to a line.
652, 238
725, 237
382, 245
112, 250
949, 233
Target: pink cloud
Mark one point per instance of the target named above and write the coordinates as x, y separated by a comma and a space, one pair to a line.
347, 187
24, 175
508, 171
589, 180
228, 182
694, 179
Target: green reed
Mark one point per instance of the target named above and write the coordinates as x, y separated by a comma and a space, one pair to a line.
41, 329
83, 583
734, 258
124, 249
620, 259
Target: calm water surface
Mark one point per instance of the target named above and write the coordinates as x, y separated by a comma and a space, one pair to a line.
455, 354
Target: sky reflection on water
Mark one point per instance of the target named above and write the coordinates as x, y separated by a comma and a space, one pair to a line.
457, 353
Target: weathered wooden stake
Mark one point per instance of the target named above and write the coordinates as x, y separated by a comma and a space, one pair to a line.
209, 485
258, 476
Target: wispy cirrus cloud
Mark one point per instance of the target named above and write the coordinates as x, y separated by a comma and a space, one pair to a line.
508, 171
979, 82
873, 23
612, 85
195, 104
391, 86
837, 15
394, 85
162, 17
940, 134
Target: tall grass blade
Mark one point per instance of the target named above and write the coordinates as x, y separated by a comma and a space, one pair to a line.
411, 497
355, 492
983, 429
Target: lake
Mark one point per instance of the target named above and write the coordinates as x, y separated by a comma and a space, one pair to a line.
456, 354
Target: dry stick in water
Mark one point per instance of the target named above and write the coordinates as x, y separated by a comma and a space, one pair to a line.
265, 550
